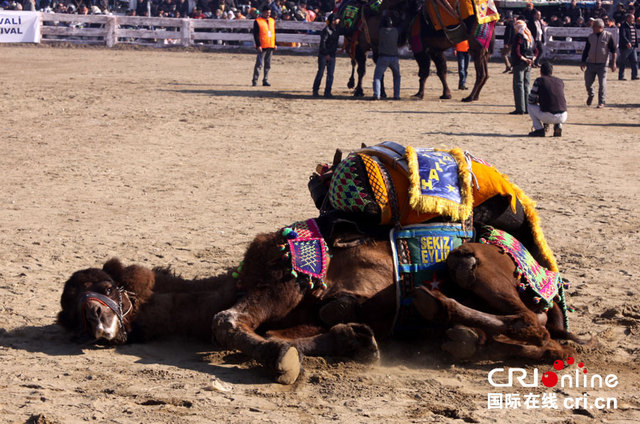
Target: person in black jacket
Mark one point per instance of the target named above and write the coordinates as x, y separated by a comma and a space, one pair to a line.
547, 104
537, 31
327, 55
508, 40
628, 46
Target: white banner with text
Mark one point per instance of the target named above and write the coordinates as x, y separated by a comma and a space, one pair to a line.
19, 27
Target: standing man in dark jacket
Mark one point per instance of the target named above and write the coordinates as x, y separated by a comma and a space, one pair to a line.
595, 55
327, 55
387, 58
508, 40
547, 104
537, 31
628, 48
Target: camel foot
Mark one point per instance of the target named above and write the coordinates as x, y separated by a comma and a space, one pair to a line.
288, 366
351, 83
357, 341
467, 99
463, 342
358, 93
445, 96
419, 95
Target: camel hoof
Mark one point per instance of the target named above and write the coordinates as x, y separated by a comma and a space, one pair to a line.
419, 95
426, 304
351, 84
463, 342
467, 99
356, 341
358, 93
445, 96
288, 366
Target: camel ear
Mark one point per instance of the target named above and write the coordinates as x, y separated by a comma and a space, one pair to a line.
114, 268
337, 158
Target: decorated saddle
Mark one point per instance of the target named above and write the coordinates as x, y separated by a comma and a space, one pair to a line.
452, 17
390, 185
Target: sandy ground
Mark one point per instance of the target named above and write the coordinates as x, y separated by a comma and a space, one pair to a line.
171, 158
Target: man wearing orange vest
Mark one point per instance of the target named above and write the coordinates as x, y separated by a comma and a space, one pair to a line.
264, 37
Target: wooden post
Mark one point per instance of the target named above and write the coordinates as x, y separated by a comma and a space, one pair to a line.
186, 32
111, 28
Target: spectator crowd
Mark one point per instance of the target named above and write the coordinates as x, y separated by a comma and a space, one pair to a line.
576, 14
309, 11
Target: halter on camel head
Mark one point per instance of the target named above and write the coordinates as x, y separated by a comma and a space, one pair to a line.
116, 307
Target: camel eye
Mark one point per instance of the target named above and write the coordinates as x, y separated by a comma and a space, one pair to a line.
107, 291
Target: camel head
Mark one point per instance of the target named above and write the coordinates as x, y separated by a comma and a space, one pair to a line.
99, 304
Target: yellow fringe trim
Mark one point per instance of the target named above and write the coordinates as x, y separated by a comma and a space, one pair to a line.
529, 207
432, 204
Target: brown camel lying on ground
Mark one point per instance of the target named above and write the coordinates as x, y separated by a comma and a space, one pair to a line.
117, 304
359, 302
277, 319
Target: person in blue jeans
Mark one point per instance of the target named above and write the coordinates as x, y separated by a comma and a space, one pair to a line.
387, 58
327, 55
462, 54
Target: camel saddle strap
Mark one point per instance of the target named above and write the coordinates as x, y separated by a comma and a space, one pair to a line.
391, 154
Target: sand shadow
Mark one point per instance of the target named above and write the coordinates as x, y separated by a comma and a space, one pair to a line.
48, 339
53, 340
475, 134
608, 124
259, 93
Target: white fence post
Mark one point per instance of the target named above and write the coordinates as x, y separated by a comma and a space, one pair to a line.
186, 32
111, 28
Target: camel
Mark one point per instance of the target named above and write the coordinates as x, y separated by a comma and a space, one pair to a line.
118, 304
431, 44
359, 303
482, 307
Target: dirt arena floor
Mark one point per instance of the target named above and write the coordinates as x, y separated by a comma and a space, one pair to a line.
172, 158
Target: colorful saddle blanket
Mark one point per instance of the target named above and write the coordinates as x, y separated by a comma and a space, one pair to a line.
419, 255
309, 252
388, 184
349, 13
451, 12
544, 285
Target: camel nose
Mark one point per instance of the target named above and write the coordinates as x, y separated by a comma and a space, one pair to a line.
101, 320
95, 311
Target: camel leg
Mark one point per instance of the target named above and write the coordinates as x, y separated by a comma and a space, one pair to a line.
352, 81
480, 62
350, 340
361, 59
235, 328
441, 68
424, 63
435, 306
501, 348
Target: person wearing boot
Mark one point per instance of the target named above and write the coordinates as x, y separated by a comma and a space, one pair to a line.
547, 104
462, 54
327, 55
